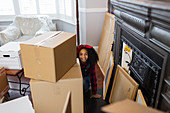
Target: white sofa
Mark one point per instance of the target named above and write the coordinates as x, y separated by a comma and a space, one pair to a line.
26, 27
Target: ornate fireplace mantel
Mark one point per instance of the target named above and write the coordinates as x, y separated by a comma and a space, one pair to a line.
144, 25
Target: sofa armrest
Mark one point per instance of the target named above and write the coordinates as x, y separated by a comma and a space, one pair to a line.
11, 33
42, 30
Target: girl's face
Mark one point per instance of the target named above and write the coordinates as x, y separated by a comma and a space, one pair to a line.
83, 55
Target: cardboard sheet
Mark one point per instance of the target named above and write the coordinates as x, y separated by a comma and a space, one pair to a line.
106, 41
19, 105
128, 106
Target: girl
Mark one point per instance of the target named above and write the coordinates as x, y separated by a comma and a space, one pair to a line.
88, 59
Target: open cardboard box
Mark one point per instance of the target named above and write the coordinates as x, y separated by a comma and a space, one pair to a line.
4, 86
49, 56
50, 97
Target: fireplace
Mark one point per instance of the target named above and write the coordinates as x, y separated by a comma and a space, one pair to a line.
144, 27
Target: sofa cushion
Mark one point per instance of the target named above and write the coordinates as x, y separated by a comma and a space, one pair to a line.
28, 25
10, 34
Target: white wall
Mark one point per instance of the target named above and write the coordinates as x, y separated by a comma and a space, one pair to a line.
64, 26
91, 17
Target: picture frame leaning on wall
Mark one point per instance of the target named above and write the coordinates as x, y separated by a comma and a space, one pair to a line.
108, 75
123, 87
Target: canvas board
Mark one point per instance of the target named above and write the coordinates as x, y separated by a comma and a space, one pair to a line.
124, 86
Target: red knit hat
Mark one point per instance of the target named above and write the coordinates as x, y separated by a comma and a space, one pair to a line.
85, 46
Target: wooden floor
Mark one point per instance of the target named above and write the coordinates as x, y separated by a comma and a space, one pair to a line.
93, 105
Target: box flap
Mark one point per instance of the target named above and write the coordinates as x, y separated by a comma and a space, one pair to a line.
50, 39
128, 106
74, 72
36, 40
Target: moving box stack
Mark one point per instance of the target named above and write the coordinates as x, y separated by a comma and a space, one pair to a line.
50, 61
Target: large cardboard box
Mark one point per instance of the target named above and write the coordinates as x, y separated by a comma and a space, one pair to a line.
10, 56
50, 97
49, 56
4, 86
123, 87
128, 106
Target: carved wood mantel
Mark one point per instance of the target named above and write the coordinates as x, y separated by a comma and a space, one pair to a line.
144, 25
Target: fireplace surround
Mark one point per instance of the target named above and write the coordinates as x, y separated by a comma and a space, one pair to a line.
144, 25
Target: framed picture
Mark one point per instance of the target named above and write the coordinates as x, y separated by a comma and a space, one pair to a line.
126, 57
124, 86
108, 75
140, 99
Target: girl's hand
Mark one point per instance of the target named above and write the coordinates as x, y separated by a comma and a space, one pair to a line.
95, 96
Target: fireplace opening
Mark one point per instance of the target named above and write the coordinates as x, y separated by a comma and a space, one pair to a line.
143, 64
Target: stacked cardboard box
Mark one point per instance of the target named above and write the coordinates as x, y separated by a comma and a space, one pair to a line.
50, 61
10, 56
4, 86
50, 97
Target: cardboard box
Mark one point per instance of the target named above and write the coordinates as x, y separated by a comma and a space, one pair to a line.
10, 56
128, 106
4, 86
50, 97
49, 56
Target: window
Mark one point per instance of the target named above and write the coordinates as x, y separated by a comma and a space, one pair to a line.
6, 7
47, 6
27, 7
67, 10
57, 9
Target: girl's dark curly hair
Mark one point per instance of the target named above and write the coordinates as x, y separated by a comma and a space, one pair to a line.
92, 55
